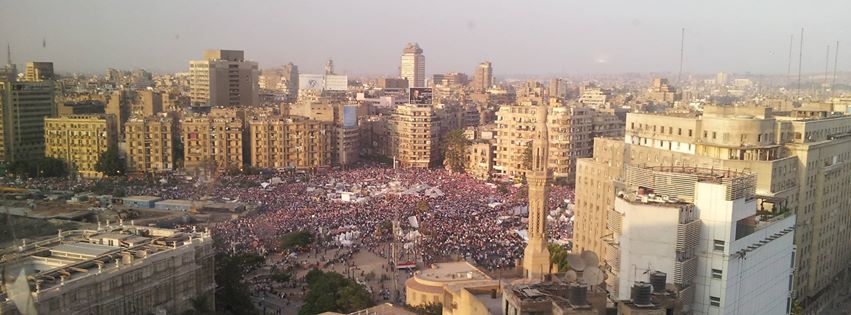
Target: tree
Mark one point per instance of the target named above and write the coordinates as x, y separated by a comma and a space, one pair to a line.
558, 258
797, 308
296, 239
455, 150
331, 292
45, 167
200, 306
232, 294
110, 163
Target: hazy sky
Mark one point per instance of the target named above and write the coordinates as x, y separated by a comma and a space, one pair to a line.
367, 37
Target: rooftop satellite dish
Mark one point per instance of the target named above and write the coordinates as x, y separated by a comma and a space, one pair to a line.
592, 276
590, 258
570, 276
576, 262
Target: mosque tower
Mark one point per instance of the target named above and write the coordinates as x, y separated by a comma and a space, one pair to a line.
536, 257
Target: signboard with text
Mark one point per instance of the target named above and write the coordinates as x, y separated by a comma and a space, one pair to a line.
420, 96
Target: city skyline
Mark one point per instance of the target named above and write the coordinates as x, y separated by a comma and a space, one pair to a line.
520, 39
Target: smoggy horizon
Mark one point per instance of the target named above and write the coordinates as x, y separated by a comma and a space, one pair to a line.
366, 38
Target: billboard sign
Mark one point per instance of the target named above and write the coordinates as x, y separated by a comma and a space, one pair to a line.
336, 82
315, 82
420, 96
350, 116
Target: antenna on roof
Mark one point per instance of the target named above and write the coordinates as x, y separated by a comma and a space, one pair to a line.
789, 67
682, 52
826, 66
835, 62
800, 62
8, 54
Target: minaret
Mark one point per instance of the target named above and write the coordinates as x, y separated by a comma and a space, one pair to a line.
536, 257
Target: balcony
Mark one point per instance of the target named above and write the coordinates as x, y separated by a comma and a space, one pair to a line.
685, 270
688, 235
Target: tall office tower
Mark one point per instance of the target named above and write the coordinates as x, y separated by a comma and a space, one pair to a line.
279, 142
800, 157
413, 65
415, 135
224, 78
212, 143
329, 67
39, 71
24, 107
148, 270
483, 77
701, 229
79, 141
536, 257
147, 103
290, 79
556, 88
119, 105
721, 79
570, 127
151, 143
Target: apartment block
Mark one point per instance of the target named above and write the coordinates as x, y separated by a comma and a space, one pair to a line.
117, 268
24, 107
80, 140
151, 144
415, 135
224, 78
211, 142
296, 142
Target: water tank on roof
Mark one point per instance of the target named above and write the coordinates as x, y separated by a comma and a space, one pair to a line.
641, 293
578, 294
657, 280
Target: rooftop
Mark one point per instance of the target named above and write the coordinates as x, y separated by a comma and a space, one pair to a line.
452, 271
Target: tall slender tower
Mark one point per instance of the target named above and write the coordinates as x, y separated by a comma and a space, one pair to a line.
413, 65
536, 257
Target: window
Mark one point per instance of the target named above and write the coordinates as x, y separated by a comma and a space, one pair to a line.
714, 301
716, 274
719, 245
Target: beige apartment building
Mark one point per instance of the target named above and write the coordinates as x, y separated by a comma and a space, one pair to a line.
147, 103
483, 77
212, 143
415, 135
802, 161
117, 268
151, 144
23, 107
298, 142
224, 78
80, 140
570, 130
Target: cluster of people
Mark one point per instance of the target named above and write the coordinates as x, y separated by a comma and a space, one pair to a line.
459, 221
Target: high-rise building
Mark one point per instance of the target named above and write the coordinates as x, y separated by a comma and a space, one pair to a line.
24, 107
415, 135
413, 65
329, 67
148, 270
224, 78
147, 103
80, 140
119, 104
279, 142
571, 129
212, 143
290, 80
39, 71
483, 77
701, 227
151, 143
800, 158
557, 88
536, 256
